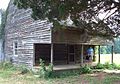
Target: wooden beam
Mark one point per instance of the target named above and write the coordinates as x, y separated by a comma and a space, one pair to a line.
81, 57
94, 57
99, 54
52, 47
52, 53
112, 54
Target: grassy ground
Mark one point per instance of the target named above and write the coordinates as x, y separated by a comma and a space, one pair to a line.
14, 77
9, 76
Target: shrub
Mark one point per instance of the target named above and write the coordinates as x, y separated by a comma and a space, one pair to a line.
50, 70
118, 67
99, 66
108, 66
43, 71
6, 65
85, 69
24, 69
114, 66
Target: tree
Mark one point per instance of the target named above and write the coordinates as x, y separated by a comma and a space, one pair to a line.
117, 45
83, 13
3, 14
108, 49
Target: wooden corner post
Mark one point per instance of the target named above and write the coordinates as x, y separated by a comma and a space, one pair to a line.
51, 60
99, 54
52, 53
112, 54
81, 57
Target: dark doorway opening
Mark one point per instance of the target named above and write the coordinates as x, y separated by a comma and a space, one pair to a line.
71, 53
60, 54
42, 51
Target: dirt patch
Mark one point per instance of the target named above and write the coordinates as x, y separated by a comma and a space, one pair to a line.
99, 75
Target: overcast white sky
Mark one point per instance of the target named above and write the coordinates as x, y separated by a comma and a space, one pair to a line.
4, 4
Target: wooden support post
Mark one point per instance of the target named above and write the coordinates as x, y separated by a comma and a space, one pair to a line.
81, 57
94, 57
112, 55
99, 54
52, 53
51, 60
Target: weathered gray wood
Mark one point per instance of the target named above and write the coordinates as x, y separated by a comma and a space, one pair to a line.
22, 28
51, 60
51, 53
112, 50
81, 57
99, 53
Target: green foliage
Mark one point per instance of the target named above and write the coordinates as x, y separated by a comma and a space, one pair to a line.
3, 22
85, 69
45, 72
6, 65
103, 50
99, 66
107, 49
111, 79
108, 66
83, 13
23, 69
65, 73
117, 45
118, 67
114, 66
9, 66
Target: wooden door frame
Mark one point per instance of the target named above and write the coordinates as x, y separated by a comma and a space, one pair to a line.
69, 62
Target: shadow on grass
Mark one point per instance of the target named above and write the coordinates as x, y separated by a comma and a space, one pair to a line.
112, 79
64, 74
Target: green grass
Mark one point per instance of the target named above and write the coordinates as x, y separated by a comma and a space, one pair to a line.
65, 77
111, 79
5, 74
10, 75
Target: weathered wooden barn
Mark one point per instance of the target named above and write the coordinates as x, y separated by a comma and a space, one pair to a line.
27, 40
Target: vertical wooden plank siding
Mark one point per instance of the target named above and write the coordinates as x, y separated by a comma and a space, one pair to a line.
82, 50
99, 54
